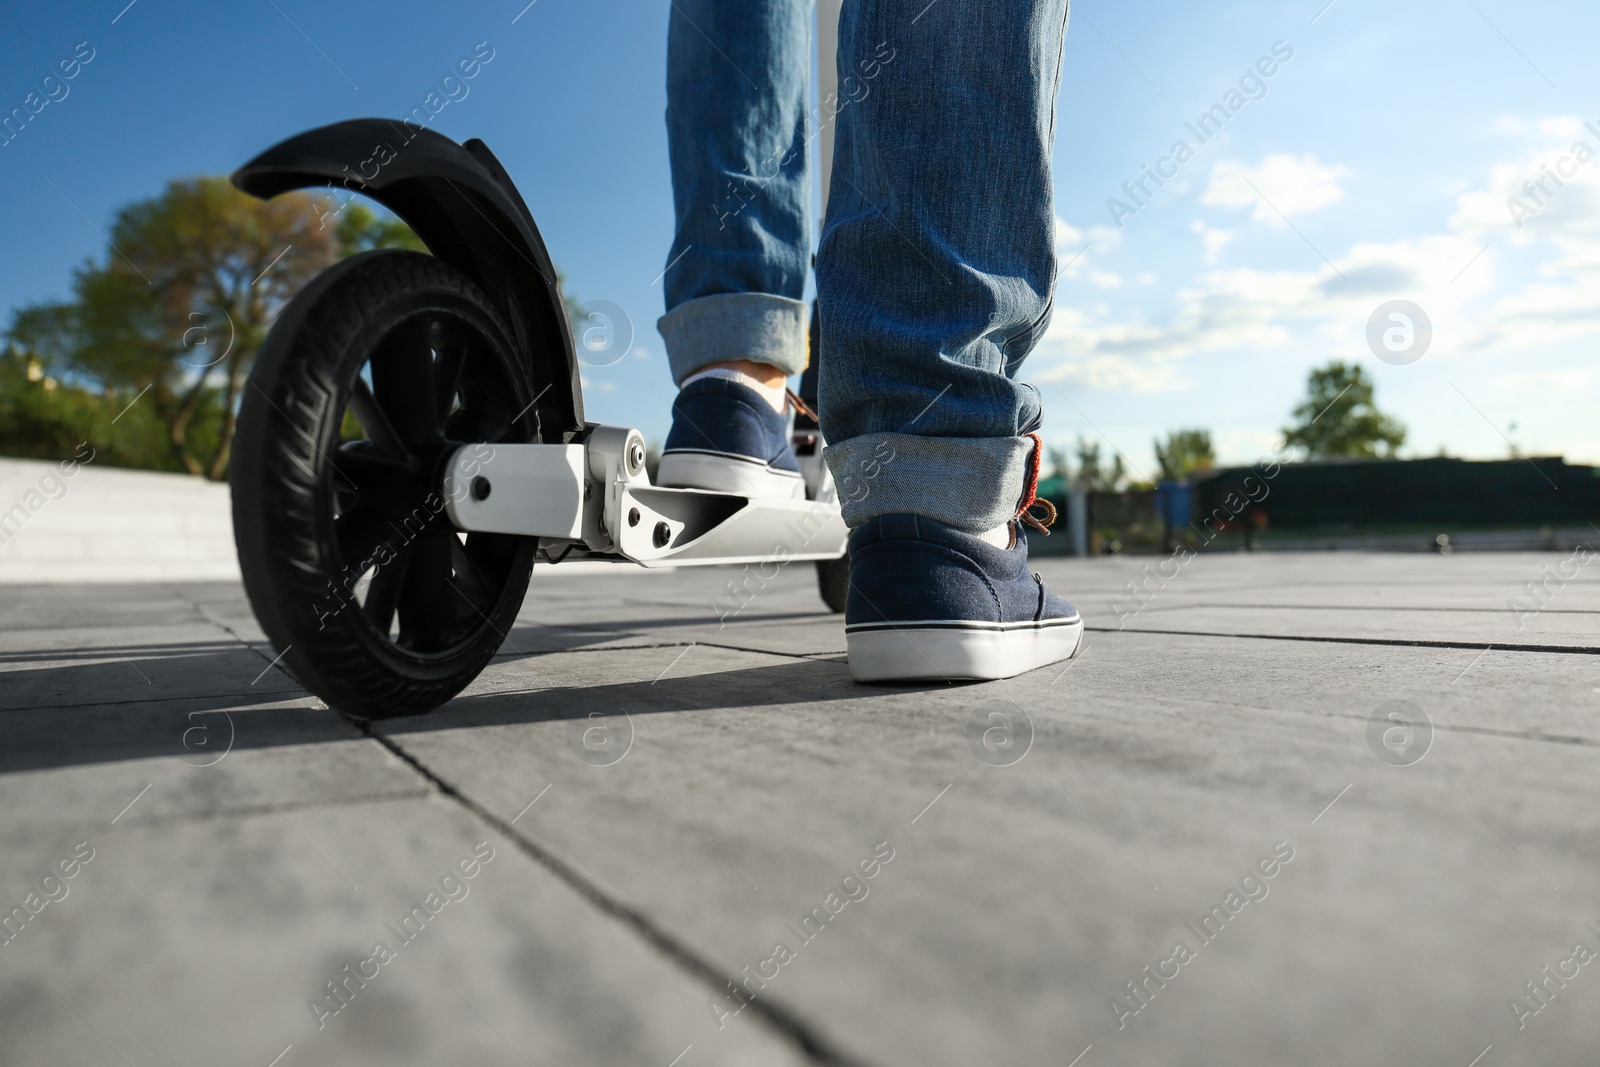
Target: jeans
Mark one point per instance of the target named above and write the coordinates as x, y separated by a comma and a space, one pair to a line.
936, 267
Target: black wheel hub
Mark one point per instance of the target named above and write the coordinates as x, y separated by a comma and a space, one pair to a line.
431, 386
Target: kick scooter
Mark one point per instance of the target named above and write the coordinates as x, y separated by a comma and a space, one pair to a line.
412, 439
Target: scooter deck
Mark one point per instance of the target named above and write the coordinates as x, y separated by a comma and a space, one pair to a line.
597, 496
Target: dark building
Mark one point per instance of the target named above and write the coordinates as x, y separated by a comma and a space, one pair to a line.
1378, 493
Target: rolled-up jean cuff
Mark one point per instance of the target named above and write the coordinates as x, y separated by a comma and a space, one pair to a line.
728, 326
971, 483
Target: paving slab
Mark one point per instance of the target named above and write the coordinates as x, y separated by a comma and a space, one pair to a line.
684, 799
203, 940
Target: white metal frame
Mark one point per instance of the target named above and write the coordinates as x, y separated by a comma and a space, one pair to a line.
596, 497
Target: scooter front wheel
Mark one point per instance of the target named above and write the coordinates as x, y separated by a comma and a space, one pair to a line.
373, 377
833, 582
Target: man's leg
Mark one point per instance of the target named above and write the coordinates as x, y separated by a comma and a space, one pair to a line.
738, 73
935, 276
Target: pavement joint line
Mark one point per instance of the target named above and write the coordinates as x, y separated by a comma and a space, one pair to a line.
1579, 650
86, 1019
131, 803
1502, 833
1102, 833
890, 1021
502, 656
1074, 1062
1331, 803
273, 696
1385, 608
1292, 1026
680, 954
280, 1056
484, 1017
531, 803
1273, 606
674, 662
931, 803
703, 834
273, 664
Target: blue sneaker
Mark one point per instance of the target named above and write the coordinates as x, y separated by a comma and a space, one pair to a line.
726, 437
929, 602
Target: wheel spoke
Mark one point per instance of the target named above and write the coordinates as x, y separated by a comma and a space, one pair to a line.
447, 373
363, 533
429, 602
470, 582
366, 467
403, 382
383, 592
374, 421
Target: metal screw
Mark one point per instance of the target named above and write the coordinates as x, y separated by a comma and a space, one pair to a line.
633, 516
480, 488
663, 534
635, 457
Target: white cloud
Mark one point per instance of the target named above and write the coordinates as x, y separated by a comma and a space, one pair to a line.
1291, 184
1075, 248
1453, 273
1214, 239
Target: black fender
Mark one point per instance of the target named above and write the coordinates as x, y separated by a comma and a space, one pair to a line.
462, 205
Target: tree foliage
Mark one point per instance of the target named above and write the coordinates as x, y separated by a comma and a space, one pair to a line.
1185, 452
175, 310
1094, 474
1340, 418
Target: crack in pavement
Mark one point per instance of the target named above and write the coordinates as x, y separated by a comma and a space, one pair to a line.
784, 1022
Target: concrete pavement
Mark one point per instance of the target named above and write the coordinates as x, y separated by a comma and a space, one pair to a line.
1296, 809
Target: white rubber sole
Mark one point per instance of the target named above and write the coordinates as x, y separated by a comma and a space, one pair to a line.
957, 651
728, 474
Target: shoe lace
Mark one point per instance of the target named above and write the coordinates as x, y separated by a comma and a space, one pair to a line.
1031, 498
801, 406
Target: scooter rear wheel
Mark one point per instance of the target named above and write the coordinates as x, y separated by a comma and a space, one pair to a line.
372, 378
833, 582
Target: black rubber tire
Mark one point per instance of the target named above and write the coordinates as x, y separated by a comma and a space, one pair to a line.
297, 514
833, 581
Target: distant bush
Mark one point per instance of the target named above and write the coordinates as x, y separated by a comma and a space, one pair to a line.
41, 418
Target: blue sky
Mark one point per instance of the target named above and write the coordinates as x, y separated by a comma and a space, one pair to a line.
1376, 163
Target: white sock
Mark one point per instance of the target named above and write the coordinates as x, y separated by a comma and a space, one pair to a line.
776, 394
999, 537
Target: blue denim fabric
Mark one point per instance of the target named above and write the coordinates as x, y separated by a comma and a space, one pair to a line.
936, 266
738, 75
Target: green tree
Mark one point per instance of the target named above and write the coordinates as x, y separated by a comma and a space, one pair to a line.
1060, 465
1185, 452
1339, 416
1094, 475
179, 304
361, 229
